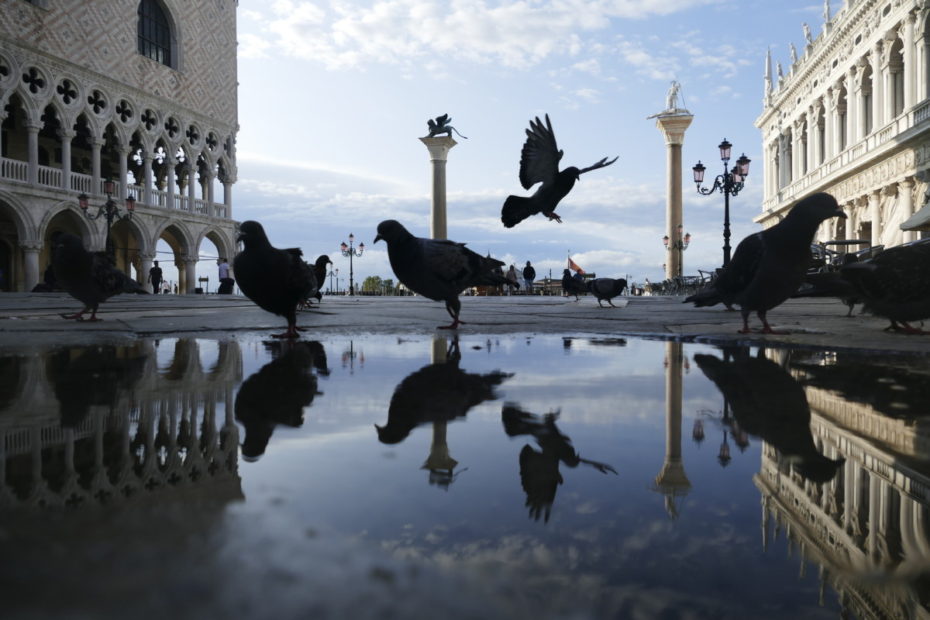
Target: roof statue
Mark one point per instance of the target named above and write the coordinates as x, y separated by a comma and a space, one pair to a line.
441, 125
794, 53
807, 33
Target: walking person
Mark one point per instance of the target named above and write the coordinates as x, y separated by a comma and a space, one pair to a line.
511, 280
226, 283
529, 275
155, 277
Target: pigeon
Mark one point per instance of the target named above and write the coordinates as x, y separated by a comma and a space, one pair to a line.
276, 280
319, 272
437, 269
830, 284
438, 392
895, 284
539, 469
606, 288
769, 403
89, 277
277, 393
539, 163
570, 285
769, 266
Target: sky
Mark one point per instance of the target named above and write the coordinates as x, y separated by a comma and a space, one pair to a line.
334, 94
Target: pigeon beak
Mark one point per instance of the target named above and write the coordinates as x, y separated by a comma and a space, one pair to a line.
378, 238
839, 213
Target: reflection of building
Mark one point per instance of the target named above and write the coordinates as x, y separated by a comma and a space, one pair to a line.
869, 527
851, 117
168, 430
142, 93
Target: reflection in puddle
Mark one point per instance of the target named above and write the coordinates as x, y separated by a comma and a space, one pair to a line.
572, 430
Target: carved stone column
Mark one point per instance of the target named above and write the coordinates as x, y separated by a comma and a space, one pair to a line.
875, 213
66, 135
673, 126
908, 57
30, 263
146, 264
439, 152
32, 169
906, 200
146, 178
95, 145
190, 273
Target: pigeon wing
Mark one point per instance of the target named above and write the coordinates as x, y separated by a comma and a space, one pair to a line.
539, 159
108, 280
448, 261
743, 267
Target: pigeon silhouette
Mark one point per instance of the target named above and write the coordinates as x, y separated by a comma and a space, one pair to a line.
276, 280
539, 163
437, 269
438, 392
278, 393
319, 272
89, 277
895, 284
571, 286
606, 288
769, 403
769, 266
830, 284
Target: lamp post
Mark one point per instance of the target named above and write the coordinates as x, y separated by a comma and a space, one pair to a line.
110, 210
333, 272
350, 251
680, 245
729, 184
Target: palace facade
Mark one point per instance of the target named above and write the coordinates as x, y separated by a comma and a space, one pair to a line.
138, 93
851, 116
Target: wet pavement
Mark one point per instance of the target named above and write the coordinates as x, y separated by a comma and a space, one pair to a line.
553, 460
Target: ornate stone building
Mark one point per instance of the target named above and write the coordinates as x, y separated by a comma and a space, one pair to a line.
141, 93
851, 116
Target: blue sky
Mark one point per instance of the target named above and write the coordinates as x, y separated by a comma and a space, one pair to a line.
334, 94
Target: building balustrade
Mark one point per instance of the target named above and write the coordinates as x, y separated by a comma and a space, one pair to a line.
15, 170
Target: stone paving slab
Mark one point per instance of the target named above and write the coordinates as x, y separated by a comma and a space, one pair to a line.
817, 323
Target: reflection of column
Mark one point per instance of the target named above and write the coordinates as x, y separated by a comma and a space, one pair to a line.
439, 462
438, 153
672, 481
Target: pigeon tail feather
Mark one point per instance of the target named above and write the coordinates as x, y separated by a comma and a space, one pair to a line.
516, 209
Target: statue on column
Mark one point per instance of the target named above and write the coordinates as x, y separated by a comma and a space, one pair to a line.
671, 99
442, 125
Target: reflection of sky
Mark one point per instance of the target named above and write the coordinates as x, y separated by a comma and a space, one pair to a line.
609, 541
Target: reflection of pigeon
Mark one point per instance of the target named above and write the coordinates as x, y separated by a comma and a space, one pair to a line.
767, 402
539, 163
89, 277
895, 284
769, 266
539, 470
436, 393
276, 280
571, 285
277, 394
606, 288
437, 269
93, 375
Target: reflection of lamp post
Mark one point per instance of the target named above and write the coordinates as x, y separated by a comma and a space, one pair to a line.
351, 252
333, 272
348, 358
109, 210
729, 184
680, 245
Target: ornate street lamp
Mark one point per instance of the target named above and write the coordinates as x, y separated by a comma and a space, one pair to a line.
680, 245
350, 251
729, 184
110, 210
333, 272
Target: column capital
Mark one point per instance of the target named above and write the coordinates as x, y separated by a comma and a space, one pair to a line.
439, 147
30, 245
673, 126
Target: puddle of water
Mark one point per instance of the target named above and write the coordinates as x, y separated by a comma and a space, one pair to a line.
501, 476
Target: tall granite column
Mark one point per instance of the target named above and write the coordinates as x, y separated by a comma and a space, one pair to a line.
672, 124
438, 153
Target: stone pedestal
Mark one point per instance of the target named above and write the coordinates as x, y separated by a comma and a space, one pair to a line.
438, 153
672, 124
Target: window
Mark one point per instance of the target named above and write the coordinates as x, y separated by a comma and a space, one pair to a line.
154, 32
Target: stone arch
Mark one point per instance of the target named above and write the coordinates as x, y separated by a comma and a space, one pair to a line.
131, 241
15, 227
15, 139
85, 129
50, 136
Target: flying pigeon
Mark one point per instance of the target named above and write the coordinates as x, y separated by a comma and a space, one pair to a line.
437, 269
89, 277
769, 266
606, 288
895, 284
276, 280
769, 403
570, 285
539, 163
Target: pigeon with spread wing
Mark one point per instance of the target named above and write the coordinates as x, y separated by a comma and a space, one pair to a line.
539, 163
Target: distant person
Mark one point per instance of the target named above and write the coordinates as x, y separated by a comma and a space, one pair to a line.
155, 277
511, 280
175, 288
529, 275
226, 283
